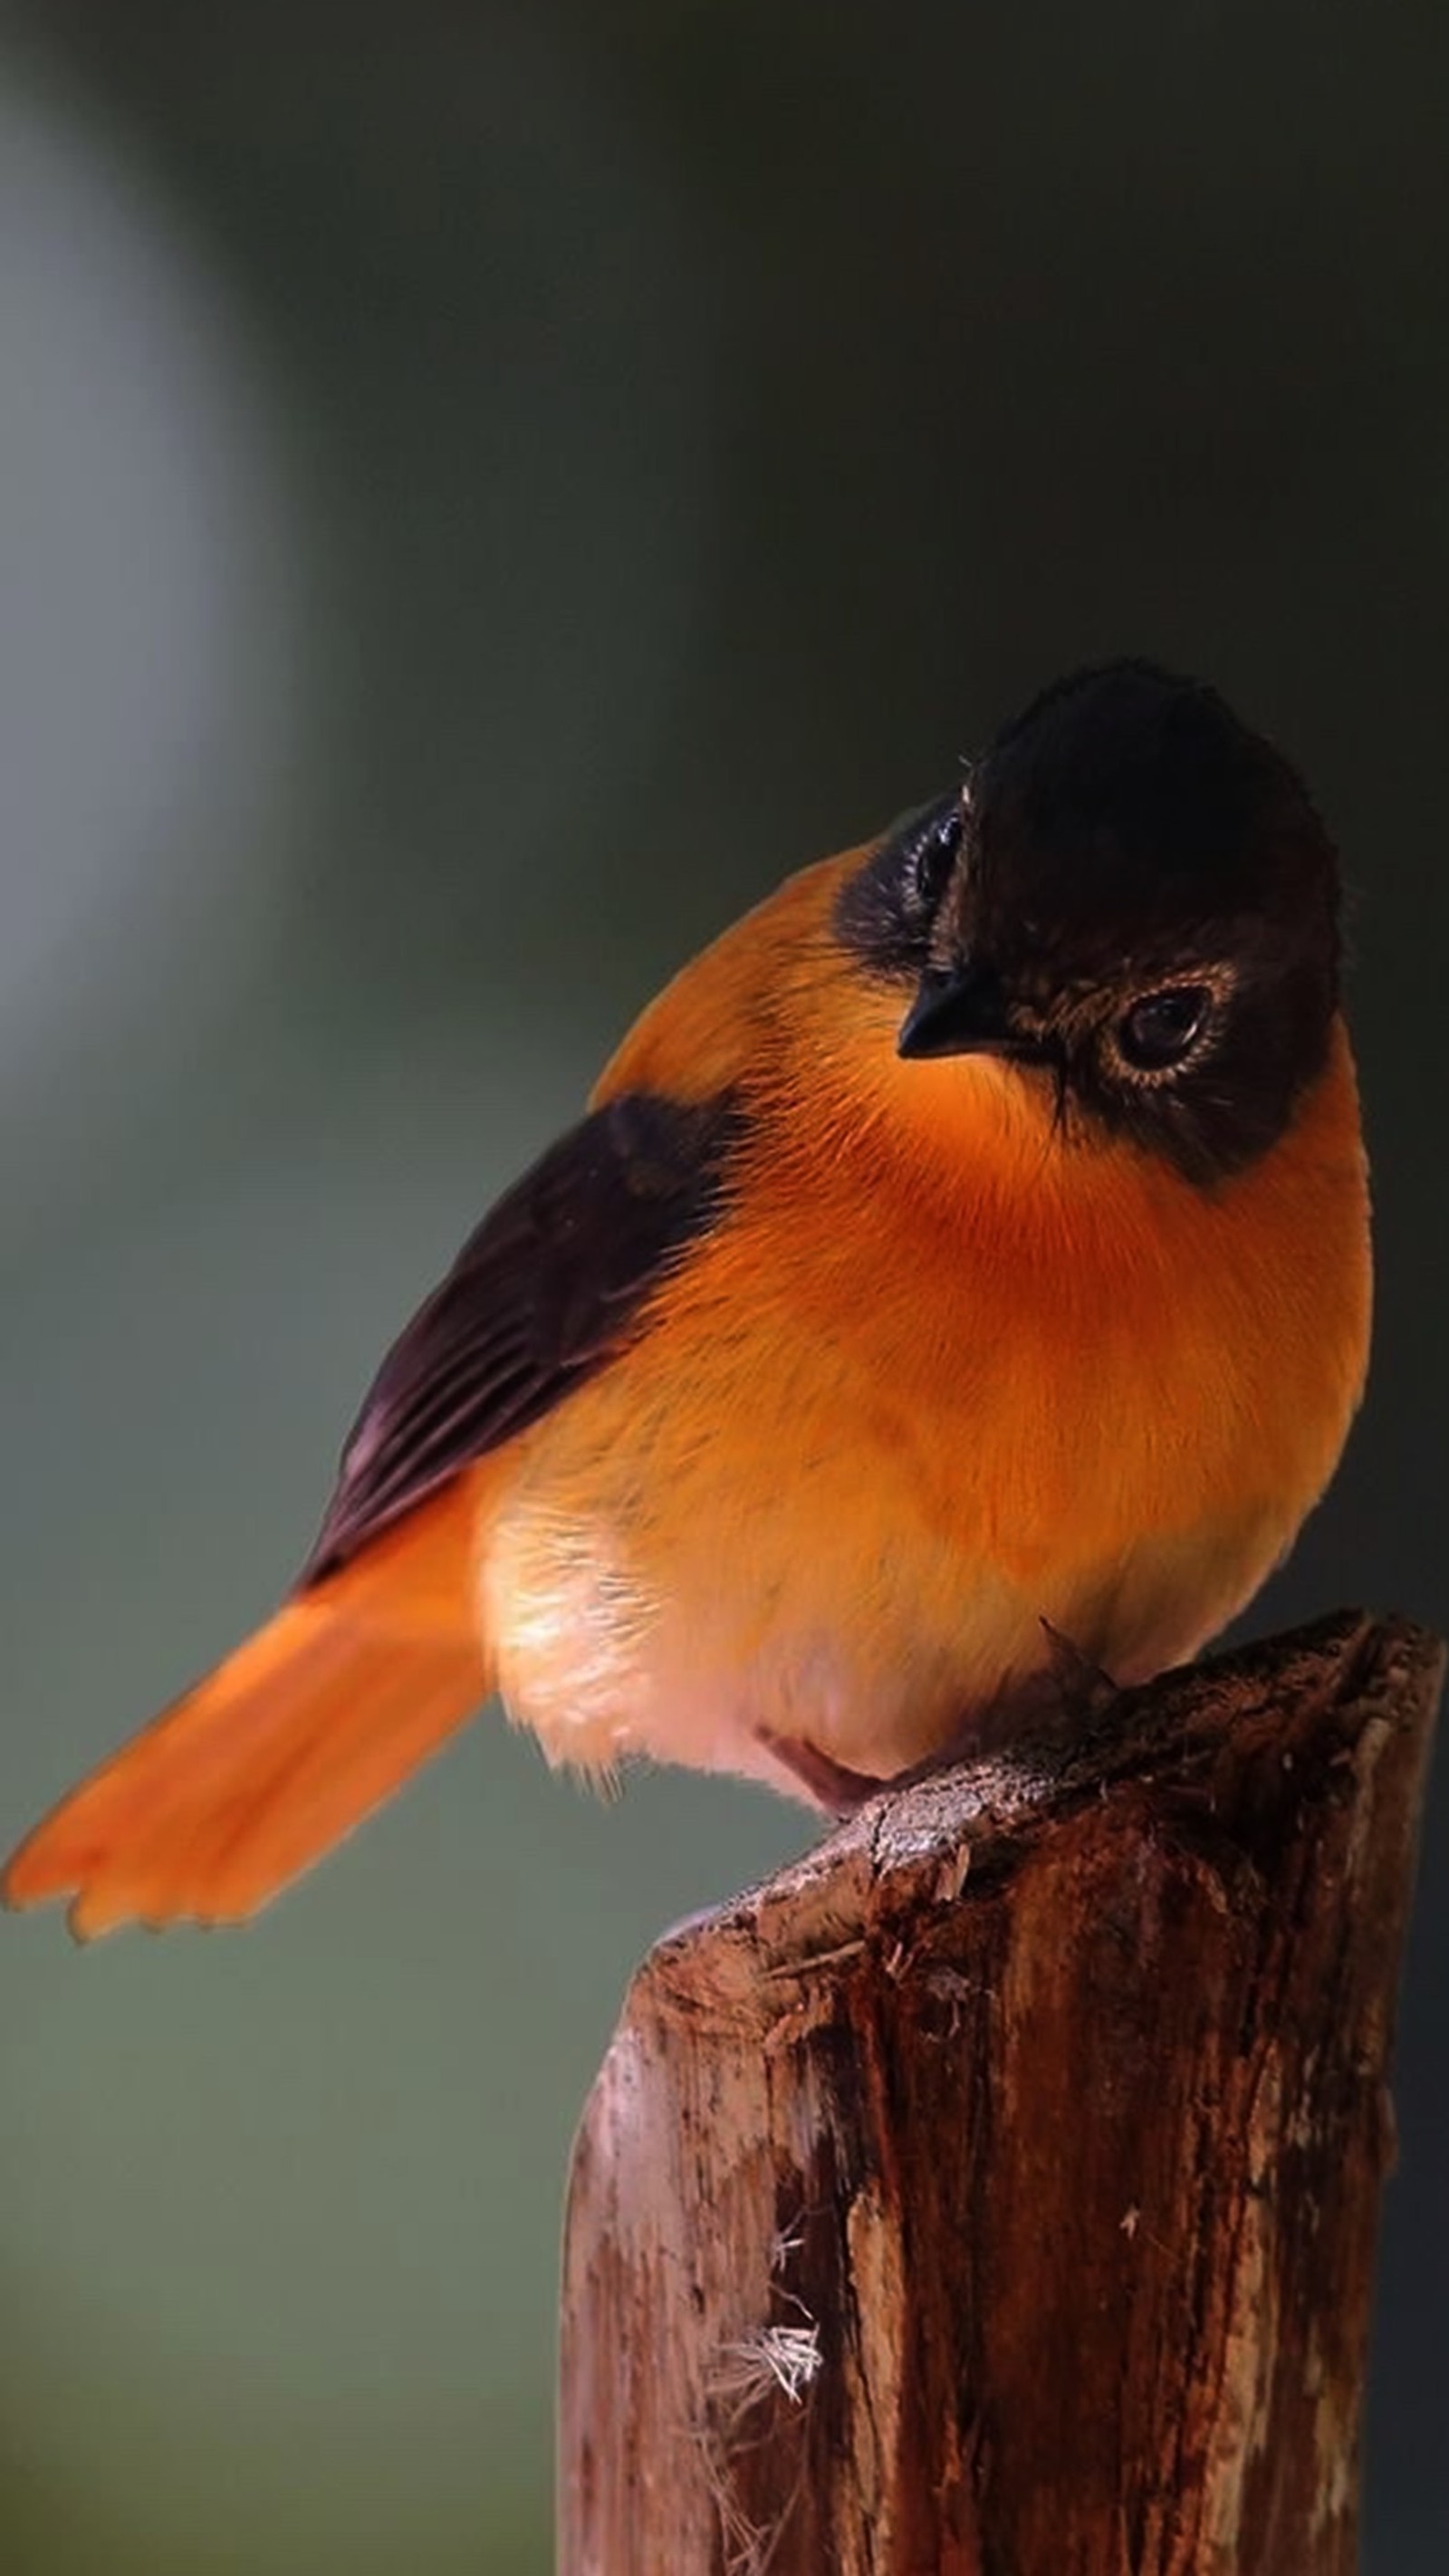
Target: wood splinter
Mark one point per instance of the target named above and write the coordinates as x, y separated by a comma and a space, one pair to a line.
994, 2192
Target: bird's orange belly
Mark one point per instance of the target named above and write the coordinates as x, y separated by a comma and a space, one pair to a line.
649, 1592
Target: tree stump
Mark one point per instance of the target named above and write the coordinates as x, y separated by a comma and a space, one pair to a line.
994, 2192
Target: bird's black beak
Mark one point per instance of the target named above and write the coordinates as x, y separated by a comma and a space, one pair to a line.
963, 1012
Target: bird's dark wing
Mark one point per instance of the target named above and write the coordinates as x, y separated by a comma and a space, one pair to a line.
539, 1298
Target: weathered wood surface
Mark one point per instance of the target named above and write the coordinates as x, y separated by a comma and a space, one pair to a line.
994, 2192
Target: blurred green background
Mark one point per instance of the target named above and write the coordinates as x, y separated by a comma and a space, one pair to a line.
483, 492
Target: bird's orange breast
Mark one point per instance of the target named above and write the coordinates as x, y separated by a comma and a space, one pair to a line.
938, 1375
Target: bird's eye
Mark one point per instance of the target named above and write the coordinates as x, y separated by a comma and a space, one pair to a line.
929, 843
1163, 1027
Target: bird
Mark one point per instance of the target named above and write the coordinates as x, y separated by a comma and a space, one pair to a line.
962, 1263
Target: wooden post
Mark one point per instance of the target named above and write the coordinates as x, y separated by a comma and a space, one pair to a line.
994, 2192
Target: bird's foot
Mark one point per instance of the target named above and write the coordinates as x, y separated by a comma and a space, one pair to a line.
1084, 1692
1060, 1701
827, 1783
1068, 1694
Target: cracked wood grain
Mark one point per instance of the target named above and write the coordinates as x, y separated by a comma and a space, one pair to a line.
994, 2192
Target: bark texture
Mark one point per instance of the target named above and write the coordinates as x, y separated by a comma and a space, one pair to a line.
994, 2192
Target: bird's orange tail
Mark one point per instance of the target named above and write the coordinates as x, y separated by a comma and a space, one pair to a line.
280, 1751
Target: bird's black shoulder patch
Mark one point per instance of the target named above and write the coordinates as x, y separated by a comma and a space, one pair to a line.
541, 1296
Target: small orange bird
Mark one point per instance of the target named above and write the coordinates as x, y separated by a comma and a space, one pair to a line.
969, 1251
